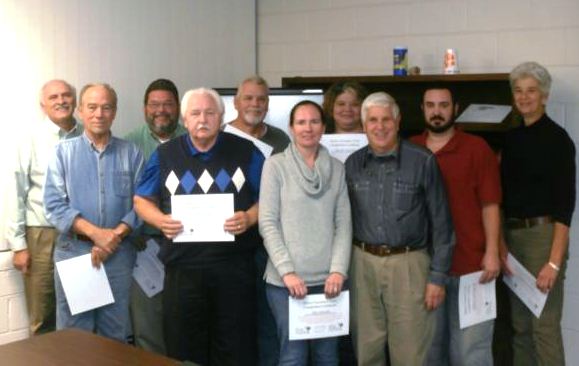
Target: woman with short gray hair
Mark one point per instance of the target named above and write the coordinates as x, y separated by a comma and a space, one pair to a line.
538, 174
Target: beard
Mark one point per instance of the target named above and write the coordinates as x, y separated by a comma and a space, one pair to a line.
253, 119
164, 129
440, 128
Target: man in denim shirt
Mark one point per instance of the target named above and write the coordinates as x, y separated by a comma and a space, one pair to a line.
88, 197
403, 240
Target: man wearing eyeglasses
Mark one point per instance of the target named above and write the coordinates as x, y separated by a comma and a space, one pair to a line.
88, 198
161, 108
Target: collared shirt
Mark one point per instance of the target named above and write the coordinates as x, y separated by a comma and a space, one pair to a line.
96, 185
150, 184
147, 141
400, 200
538, 172
25, 187
470, 171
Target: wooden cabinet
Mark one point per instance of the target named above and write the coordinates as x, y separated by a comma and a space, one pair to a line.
408, 90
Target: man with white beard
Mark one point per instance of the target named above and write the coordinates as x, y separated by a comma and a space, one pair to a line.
251, 103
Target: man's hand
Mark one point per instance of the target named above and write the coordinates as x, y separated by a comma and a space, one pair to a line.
491, 267
238, 223
296, 286
21, 260
546, 278
106, 239
434, 296
170, 228
98, 256
333, 285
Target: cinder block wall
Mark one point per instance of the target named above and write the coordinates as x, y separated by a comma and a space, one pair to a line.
356, 37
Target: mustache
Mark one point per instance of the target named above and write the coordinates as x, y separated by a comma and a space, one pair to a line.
436, 118
62, 105
201, 127
161, 114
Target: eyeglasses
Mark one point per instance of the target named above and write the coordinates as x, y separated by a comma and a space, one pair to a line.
166, 105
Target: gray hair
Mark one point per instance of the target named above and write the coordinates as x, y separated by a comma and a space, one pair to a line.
105, 86
198, 92
380, 99
43, 89
534, 70
256, 79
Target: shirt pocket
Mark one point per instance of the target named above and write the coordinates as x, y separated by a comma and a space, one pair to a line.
405, 196
122, 183
360, 192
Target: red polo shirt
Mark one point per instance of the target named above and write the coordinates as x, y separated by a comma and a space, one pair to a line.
471, 175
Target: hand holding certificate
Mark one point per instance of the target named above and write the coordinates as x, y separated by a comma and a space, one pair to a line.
476, 301
316, 316
524, 285
85, 286
202, 216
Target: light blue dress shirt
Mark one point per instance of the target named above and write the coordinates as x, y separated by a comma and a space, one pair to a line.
96, 185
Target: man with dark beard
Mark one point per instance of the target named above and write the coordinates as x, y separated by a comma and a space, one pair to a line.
251, 103
161, 107
471, 176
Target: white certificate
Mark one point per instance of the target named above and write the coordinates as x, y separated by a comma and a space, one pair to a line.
85, 287
524, 285
315, 316
265, 149
149, 272
202, 216
342, 145
484, 113
477, 301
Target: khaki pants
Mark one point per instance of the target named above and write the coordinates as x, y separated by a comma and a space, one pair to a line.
39, 280
388, 306
536, 341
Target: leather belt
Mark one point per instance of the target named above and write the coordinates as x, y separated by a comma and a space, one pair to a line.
383, 250
515, 223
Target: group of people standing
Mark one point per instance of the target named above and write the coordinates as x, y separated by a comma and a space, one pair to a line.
397, 224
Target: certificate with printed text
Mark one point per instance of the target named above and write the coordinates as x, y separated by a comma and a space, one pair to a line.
342, 145
202, 216
477, 301
315, 316
524, 285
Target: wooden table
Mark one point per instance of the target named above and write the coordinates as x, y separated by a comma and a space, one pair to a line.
77, 347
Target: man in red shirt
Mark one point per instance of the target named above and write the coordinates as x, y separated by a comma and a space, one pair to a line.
471, 176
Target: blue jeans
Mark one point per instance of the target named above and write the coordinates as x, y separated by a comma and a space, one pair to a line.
110, 320
454, 346
267, 342
295, 353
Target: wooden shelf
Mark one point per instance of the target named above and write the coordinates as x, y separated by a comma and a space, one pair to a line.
407, 90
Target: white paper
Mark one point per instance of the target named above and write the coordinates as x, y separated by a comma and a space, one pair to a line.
85, 287
265, 149
524, 285
477, 301
149, 271
202, 216
484, 113
342, 145
317, 317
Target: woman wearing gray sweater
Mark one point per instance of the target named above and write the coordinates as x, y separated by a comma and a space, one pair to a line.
304, 218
